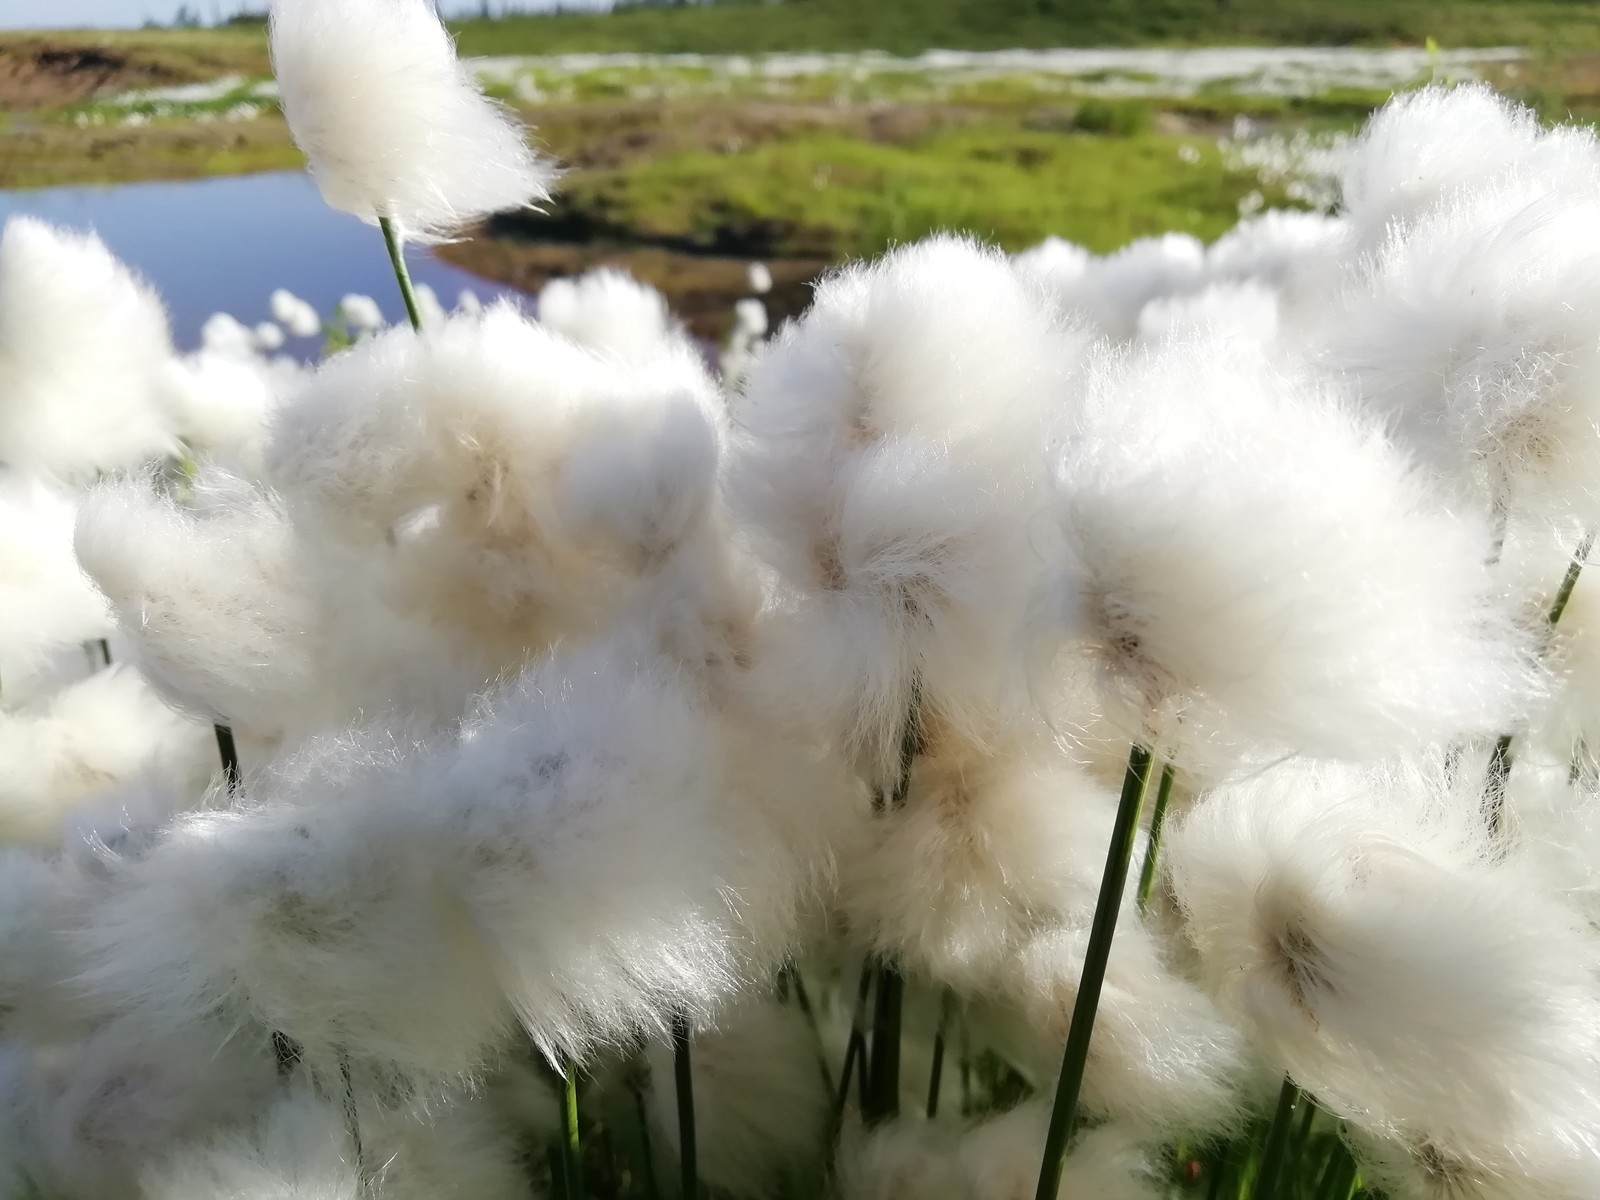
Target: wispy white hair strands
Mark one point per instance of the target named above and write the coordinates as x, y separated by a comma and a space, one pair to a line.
393, 124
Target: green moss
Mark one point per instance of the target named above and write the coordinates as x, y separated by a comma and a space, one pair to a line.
828, 196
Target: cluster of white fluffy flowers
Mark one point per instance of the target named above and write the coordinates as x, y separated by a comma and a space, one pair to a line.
663, 771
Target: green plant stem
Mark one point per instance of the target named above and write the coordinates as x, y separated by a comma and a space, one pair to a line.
571, 1146
1334, 1181
1499, 774
855, 1051
1113, 883
651, 1189
1308, 1117
883, 1091
1275, 1153
104, 647
402, 274
229, 753
683, 1076
936, 1072
1152, 850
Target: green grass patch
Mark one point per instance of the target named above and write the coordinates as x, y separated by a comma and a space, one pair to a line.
911, 26
830, 196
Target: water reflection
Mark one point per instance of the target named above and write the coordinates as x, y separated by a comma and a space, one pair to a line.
223, 245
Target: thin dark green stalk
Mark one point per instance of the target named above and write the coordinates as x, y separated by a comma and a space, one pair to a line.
229, 753
936, 1072
105, 651
881, 1098
883, 1092
1499, 774
1334, 1181
651, 1189
683, 1075
964, 1069
571, 1146
352, 1124
1275, 1153
402, 275
1302, 1135
1158, 820
558, 1171
855, 1050
791, 973
1219, 1170
1113, 883
1355, 1188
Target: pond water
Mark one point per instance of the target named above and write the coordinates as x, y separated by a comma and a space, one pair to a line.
223, 245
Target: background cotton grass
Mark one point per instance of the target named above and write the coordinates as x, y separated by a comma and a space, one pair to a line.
660, 774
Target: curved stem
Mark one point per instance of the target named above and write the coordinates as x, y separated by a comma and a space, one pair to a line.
229, 753
1152, 850
402, 275
936, 1072
1113, 882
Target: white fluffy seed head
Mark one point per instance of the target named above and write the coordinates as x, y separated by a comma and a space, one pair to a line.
82, 344
523, 486
92, 736
1425, 145
393, 125
48, 606
1411, 975
1472, 333
611, 313
1256, 559
886, 455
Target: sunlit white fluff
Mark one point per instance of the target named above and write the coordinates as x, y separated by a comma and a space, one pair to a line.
1416, 979
895, 490
96, 1113
994, 1159
393, 125
759, 278
1473, 334
211, 597
609, 312
1228, 311
1423, 146
1217, 518
409, 922
48, 607
90, 736
222, 403
760, 1102
295, 314
1110, 291
82, 343
467, 301
296, 1150
522, 481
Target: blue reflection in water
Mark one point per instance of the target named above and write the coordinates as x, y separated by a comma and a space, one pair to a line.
223, 245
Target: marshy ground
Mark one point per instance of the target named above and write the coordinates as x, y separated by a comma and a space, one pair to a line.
685, 168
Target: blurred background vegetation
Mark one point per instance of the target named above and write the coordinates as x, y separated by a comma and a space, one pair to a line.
685, 169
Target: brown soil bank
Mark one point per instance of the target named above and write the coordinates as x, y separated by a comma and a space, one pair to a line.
55, 70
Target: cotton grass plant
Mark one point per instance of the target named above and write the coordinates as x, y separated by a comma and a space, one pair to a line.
648, 775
